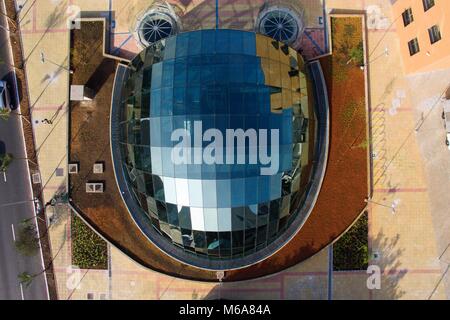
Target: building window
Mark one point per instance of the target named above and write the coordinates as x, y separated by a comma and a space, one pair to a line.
435, 34
413, 46
407, 17
428, 4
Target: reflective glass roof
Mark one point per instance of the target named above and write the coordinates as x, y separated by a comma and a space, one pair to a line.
220, 80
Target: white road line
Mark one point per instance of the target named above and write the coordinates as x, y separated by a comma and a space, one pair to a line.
4, 176
21, 291
13, 233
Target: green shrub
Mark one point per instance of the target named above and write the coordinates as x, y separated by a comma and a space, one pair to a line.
89, 251
351, 252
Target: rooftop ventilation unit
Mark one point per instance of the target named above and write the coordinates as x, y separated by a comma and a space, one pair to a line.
95, 187
280, 23
98, 168
74, 168
159, 22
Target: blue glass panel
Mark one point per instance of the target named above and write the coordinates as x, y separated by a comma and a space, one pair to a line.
236, 73
156, 160
168, 73
250, 72
249, 43
180, 76
179, 99
157, 75
166, 131
223, 188
236, 42
170, 49
238, 192
236, 99
167, 163
158, 186
182, 45
194, 75
251, 190
155, 105
172, 214
263, 190
195, 42
208, 74
184, 217
223, 42
167, 101
208, 41
155, 132
193, 101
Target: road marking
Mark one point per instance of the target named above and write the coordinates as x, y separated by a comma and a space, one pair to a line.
14, 203
4, 176
21, 291
13, 233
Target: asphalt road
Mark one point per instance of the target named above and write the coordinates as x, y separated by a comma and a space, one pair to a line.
15, 200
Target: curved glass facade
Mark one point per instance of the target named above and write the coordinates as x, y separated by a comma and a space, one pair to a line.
221, 80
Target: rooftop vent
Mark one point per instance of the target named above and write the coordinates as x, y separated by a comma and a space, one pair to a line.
280, 23
98, 168
95, 187
158, 23
73, 168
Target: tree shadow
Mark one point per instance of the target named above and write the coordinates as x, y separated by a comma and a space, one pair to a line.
52, 20
385, 253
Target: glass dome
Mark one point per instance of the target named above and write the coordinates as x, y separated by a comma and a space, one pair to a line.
219, 214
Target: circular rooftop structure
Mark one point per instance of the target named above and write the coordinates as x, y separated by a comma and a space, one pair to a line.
281, 24
217, 138
156, 24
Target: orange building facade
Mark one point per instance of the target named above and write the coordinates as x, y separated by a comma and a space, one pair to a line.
424, 31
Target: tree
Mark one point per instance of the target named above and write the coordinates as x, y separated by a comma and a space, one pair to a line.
357, 54
26, 279
27, 242
5, 161
4, 114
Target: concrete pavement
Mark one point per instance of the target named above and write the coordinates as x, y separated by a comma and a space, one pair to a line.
16, 202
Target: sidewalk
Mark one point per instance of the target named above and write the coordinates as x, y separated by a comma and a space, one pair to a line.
405, 239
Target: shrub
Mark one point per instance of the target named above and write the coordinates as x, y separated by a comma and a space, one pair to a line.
351, 250
89, 251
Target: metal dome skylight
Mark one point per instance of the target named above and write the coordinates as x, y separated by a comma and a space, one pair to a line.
156, 26
280, 24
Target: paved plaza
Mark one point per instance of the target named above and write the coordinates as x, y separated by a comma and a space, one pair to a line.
410, 241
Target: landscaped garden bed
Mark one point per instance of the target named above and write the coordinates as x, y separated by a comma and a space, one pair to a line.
351, 251
89, 251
